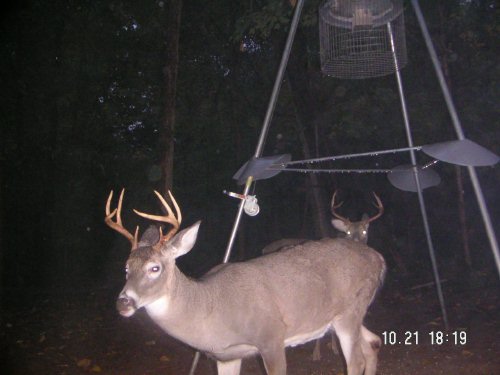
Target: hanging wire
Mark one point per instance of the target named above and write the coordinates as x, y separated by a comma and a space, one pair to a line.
326, 170
430, 164
350, 156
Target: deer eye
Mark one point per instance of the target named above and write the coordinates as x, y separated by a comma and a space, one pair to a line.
155, 269
349, 232
364, 232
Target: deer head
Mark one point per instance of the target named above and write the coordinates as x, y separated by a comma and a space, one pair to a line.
150, 260
355, 230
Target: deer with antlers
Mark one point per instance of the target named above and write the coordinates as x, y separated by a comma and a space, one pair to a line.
355, 230
255, 307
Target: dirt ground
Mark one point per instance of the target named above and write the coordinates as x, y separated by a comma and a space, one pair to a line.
81, 333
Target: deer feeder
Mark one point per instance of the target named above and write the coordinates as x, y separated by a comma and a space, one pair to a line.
357, 38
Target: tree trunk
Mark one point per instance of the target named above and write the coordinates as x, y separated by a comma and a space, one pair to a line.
173, 20
322, 228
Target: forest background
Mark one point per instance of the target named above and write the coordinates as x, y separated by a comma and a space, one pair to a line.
100, 95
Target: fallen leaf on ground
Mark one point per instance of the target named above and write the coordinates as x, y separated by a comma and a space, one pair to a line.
467, 353
85, 363
96, 368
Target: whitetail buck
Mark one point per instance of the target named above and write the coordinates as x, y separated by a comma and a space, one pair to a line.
355, 230
256, 307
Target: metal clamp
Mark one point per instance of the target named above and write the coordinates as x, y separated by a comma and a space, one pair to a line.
250, 206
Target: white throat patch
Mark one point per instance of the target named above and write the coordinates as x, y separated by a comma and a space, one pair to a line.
159, 307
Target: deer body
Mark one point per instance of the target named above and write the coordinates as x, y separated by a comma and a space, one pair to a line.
282, 244
262, 305
352, 230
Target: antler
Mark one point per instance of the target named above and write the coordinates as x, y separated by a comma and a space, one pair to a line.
117, 225
170, 218
380, 207
333, 207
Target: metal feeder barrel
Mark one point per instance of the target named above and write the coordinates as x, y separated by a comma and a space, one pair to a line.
355, 38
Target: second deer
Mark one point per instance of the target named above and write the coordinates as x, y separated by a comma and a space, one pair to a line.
355, 230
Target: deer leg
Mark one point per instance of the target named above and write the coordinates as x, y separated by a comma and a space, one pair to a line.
317, 350
229, 367
348, 332
316, 356
370, 345
274, 360
335, 345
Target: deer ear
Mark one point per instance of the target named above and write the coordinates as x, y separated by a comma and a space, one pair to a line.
150, 236
182, 242
339, 225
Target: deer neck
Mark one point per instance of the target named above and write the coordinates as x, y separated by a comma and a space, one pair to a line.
185, 304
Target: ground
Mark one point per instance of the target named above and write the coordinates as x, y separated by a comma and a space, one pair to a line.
81, 333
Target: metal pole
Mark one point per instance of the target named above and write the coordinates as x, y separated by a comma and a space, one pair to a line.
460, 134
236, 224
268, 116
262, 136
421, 201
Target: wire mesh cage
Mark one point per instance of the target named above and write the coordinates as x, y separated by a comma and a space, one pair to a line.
361, 38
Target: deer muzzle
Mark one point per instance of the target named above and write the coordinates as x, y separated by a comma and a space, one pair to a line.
125, 305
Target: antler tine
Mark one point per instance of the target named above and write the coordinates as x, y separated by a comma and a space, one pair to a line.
119, 209
118, 226
333, 207
177, 209
178, 220
108, 206
379, 205
170, 218
332, 203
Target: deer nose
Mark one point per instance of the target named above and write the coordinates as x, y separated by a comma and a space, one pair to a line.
124, 301
125, 304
